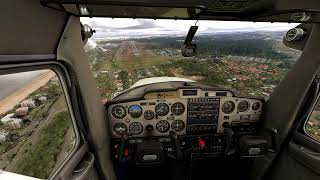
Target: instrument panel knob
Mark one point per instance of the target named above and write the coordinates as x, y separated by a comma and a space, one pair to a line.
149, 128
226, 125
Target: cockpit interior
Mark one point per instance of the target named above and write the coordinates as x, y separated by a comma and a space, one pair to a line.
159, 123
159, 128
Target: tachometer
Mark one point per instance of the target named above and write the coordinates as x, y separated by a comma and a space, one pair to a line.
135, 128
162, 126
178, 125
148, 115
120, 128
135, 111
228, 107
243, 106
177, 108
162, 109
118, 112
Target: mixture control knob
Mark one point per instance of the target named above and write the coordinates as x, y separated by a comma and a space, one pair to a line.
149, 129
201, 143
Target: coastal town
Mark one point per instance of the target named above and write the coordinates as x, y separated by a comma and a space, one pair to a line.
31, 123
118, 64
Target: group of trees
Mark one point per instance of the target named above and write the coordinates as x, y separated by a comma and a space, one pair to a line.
123, 75
241, 47
253, 44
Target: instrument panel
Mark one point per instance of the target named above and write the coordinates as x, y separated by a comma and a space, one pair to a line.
186, 111
157, 116
238, 111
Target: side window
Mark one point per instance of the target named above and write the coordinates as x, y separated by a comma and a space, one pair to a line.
36, 129
312, 126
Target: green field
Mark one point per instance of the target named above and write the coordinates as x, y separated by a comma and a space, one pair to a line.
40, 159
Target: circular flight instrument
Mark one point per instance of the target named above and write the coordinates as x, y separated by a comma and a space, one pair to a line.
118, 112
178, 125
120, 128
162, 126
135, 128
228, 107
177, 108
162, 109
243, 106
148, 115
135, 111
255, 106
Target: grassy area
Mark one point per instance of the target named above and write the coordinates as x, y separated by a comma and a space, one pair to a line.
103, 81
41, 112
313, 132
141, 62
107, 65
4, 147
123, 75
42, 155
147, 59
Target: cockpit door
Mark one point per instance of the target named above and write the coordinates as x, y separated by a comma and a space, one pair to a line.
291, 122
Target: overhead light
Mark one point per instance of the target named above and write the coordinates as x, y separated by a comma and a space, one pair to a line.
198, 10
83, 10
86, 32
300, 16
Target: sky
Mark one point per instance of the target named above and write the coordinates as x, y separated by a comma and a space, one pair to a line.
123, 28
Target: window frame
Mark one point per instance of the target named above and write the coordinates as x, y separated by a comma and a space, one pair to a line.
312, 107
66, 84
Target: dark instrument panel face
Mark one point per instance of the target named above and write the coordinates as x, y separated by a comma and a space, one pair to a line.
189, 92
200, 123
187, 112
160, 114
203, 114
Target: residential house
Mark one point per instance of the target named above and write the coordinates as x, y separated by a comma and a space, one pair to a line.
11, 122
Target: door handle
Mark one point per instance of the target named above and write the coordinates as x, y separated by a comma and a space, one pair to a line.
80, 166
305, 156
86, 161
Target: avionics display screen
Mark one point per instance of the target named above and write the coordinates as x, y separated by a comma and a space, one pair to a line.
203, 110
189, 92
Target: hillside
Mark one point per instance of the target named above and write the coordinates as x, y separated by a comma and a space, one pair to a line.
252, 63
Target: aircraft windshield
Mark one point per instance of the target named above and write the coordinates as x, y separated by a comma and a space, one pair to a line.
247, 57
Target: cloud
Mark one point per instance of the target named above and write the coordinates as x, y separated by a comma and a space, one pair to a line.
121, 28
143, 24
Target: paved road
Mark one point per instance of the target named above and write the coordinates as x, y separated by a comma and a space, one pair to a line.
134, 48
127, 49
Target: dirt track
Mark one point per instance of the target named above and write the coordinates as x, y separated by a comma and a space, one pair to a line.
178, 73
14, 98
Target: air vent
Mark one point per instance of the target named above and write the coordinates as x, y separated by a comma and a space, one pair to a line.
221, 94
227, 5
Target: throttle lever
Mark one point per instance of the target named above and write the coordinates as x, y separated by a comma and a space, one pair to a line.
229, 132
174, 137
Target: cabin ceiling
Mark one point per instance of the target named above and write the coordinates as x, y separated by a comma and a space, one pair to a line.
236, 10
36, 26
